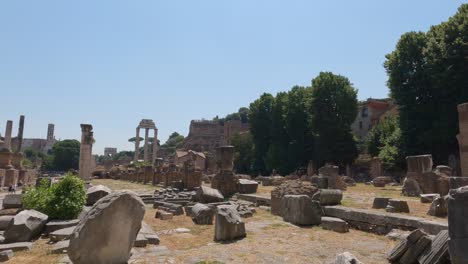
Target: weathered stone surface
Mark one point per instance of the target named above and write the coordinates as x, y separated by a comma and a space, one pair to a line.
6, 255
295, 187
208, 195
140, 241
397, 235
226, 182
334, 180
419, 164
300, 210
400, 249
19, 246
25, 226
60, 247
381, 222
163, 215
457, 182
328, 196
334, 224
202, 214
95, 193
411, 188
320, 181
437, 252
412, 253
107, 232
458, 228
247, 186
346, 258
381, 181
397, 206
380, 203
175, 209
438, 207
228, 224
429, 197
12, 201
149, 234
348, 180
83, 212
61, 234
5, 221
13, 211
55, 225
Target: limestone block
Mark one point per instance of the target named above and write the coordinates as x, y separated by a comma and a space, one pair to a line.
61, 234
300, 210
346, 258
12, 201
5, 221
95, 193
25, 226
107, 232
335, 224
320, 181
429, 198
202, 214
411, 187
328, 196
55, 225
247, 186
458, 229
397, 206
209, 195
19, 246
380, 203
6, 255
60, 247
438, 207
228, 224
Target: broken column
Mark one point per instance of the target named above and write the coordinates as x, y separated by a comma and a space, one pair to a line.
86, 147
6, 156
20, 134
458, 229
155, 146
225, 180
145, 148
334, 180
376, 168
137, 144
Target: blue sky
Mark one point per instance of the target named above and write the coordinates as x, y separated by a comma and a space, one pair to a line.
112, 63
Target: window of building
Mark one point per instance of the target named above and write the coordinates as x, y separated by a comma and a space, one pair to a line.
364, 112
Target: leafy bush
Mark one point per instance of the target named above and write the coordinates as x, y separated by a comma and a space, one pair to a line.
63, 200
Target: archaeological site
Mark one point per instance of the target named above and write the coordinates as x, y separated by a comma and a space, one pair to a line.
176, 132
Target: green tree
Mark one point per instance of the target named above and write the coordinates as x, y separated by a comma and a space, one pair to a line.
243, 158
260, 126
384, 141
277, 154
65, 155
334, 108
174, 142
427, 77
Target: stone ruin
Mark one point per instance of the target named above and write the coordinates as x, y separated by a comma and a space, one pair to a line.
86, 152
12, 172
147, 124
422, 179
225, 180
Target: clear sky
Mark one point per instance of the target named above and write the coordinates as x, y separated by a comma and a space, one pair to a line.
112, 63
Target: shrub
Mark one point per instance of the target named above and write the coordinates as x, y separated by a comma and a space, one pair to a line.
63, 200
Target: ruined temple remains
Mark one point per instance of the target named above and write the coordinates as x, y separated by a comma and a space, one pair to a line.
147, 124
225, 180
86, 147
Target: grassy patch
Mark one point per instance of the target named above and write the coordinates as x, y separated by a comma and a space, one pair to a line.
275, 226
123, 185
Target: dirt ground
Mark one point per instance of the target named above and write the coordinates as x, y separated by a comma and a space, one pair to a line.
269, 239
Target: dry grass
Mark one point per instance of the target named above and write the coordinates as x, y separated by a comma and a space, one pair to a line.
124, 185
39, 254
265, 190
362, 196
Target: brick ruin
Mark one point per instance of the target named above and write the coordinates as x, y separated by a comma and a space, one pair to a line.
12, 172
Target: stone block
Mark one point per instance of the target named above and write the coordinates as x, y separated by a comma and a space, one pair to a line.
140, 241
25, 226
12, 201
61, 234
228, 224
19, 246
429, 197
438, 207
300, 210
458, 228
100, 237
60, 247
380, 202
397, 206
411, 188
202, 214
346, 258
209, 195
95, 193
6, 255
5, 221
457, 182
335, 224
55, 225
163, 215
247, 186
328, 196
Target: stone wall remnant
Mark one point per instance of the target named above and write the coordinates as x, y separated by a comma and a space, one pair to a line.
458, 229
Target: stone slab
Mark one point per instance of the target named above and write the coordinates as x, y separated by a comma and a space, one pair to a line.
372, 219
16, 246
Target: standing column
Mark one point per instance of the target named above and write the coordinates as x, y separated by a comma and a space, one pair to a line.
86, 149
7, 141
457, 228
20, 134
137, 144
155, 146
146, 145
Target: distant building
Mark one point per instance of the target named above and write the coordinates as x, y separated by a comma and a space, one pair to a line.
370, 112
38, 144
182, 156
207, 135
109, 152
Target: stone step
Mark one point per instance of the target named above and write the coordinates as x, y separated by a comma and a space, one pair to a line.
56, 225
335, 224
16, 246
